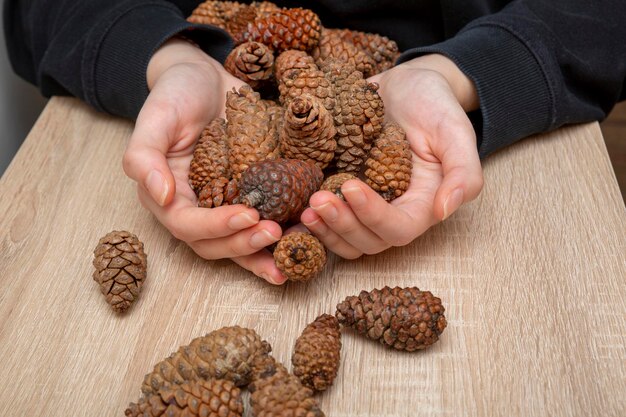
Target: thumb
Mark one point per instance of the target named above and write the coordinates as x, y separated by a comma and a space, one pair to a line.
144, 159
462, 172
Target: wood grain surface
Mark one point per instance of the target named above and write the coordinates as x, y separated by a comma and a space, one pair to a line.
532, 275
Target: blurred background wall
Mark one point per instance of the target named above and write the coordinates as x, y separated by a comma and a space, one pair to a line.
20, 105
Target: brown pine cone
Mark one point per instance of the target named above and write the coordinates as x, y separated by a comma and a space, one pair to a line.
279, 189
251, 62
252, 134
282, 395
332, 45
308, 132
388, 166
296, 82
299, 256
293, 28
383, 51
218, 192
226, 353
316, 354
292, 60
334, 182
216, 13
206, 398
264, 8
210, 156
359, 115
402, 318
121, 265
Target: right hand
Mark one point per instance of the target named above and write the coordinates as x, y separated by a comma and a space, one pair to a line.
187, 90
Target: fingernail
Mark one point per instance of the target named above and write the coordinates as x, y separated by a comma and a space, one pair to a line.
157, 186
241, 221
452, 203
355, 195
270, 279
327, 210
262, 239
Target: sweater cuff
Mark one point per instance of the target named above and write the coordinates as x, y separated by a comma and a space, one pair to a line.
515, 97
126, 40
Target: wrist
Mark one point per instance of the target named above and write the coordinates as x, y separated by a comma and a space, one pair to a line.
175, 51
461, 85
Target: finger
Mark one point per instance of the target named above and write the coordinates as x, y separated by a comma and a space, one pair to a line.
262, 264
145, 157
393, 224
189, 223
327, 236
341, 219
242, 243
462, 171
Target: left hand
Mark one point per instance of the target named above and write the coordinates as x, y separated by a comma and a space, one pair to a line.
428, 97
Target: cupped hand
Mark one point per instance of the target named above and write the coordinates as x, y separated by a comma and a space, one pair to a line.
187, 90
428, 98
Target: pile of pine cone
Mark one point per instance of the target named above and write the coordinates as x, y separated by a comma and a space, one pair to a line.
205, 377
307, 120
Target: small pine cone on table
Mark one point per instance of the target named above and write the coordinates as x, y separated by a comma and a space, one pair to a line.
251, 130
383, 51
334, 182
201, 398
332, 45
279, 189
388, 166
121, 264
308, 132
210, 156
251, 62
316, 354
281, 394
227, 353
402, 318
292, 28
218, 192
299, 256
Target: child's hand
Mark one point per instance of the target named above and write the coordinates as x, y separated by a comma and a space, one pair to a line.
188, 89
428, 97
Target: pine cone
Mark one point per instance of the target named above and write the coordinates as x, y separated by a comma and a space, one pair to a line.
388, 166
216, 13
206, 398
383, 51
279, 189
296, 82
402, 318
218, 192
317, 352
121, 265
264, 8
332, 45
252, 134
299, 256
334, 182
282, 395
251, 62
359, 115
226, 353
293, 28
292, 60
308, 132
210, 156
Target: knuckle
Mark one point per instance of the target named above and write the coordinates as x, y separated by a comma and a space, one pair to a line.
401, 239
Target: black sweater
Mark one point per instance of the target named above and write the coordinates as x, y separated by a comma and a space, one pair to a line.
537, 64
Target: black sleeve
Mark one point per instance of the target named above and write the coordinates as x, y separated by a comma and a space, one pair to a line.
98, 50
538, 65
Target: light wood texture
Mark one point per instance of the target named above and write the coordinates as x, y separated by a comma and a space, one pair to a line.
532, 275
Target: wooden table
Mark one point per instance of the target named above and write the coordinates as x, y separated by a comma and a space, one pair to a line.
532, 275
